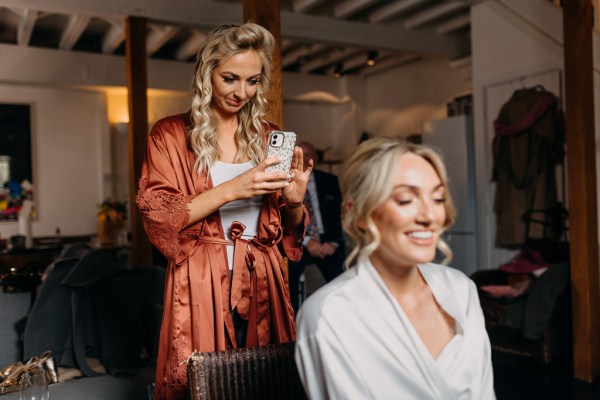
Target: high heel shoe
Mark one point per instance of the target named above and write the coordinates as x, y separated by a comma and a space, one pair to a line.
8, 370
47, 362
10, 376
11, 382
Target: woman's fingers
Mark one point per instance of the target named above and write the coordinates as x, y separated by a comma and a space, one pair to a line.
298, 158
269, 161
310, 166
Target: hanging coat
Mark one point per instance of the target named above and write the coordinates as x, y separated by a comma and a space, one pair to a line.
528, 145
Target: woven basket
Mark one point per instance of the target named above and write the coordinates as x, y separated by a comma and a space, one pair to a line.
266, 372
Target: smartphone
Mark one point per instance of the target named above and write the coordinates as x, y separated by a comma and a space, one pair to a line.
281, 144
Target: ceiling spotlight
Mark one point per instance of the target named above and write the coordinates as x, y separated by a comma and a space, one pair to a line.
371, 58
337, 72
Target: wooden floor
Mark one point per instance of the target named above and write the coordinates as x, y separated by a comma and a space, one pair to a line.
513, 380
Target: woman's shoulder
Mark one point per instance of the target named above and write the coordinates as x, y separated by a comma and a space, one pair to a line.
171, 125
331, 297
171, 131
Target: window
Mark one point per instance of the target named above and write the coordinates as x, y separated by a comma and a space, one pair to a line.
16, 177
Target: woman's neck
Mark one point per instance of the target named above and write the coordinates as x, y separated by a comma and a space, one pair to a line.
227, 125
401, 281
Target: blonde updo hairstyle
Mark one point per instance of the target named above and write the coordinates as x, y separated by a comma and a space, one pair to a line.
367, 183
224, 42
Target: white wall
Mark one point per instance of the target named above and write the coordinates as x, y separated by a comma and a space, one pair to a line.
400, 101
326, 112
79, 157
66, 68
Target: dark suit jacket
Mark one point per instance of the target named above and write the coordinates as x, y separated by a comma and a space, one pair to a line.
92, 305
330, 200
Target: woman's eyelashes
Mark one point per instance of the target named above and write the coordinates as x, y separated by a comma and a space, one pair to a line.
404, 201
439, 196
230, 80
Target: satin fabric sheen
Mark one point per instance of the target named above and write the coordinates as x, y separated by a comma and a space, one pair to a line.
355, 342
198, 294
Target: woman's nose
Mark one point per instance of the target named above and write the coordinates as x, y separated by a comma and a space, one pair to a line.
240, 91
425, 211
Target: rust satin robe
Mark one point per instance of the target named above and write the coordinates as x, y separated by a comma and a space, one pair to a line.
198, 294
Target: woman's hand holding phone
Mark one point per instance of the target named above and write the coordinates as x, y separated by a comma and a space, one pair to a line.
256, 181
282, 169
296, 190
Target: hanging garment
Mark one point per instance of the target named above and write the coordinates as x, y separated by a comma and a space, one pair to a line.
529, 143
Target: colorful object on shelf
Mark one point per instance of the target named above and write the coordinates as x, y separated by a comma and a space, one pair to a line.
12, 198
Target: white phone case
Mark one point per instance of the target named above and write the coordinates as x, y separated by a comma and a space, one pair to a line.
281, 144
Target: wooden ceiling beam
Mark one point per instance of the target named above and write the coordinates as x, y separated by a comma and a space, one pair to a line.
454, 24
393, 9
350, 7
159, 35
190, 47
114, 37
75, 27
305, 5
206, 15
432, 13
26, 27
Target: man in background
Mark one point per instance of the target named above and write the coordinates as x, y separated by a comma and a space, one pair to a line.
324, 240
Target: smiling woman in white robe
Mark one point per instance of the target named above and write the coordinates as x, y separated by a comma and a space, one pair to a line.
395, 325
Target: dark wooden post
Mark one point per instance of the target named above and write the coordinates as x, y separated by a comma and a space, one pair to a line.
267, 14
137, 85
578, 17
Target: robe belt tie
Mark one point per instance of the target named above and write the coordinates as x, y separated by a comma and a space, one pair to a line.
244, 283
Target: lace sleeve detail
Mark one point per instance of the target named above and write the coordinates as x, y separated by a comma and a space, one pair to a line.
164, 216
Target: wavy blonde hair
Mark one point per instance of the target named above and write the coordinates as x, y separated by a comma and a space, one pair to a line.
367, 183
224, 42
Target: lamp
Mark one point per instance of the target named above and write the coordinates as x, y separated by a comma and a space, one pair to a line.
371, 58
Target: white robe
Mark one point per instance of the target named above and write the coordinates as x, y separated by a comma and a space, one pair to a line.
354, 341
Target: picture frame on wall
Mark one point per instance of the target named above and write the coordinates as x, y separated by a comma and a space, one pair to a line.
16, 170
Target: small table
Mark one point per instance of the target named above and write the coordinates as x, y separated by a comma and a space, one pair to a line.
15, 259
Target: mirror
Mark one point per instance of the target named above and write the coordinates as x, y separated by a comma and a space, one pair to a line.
16, 176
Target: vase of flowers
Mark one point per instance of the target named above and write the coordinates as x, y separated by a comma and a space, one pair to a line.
111, 219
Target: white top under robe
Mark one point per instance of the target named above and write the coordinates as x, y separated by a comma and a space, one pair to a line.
246, 211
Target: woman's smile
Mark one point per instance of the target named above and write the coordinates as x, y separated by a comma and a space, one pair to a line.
411, 219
